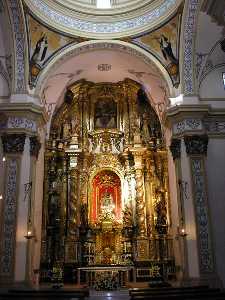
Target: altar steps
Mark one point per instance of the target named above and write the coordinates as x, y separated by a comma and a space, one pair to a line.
58, 293
182, 293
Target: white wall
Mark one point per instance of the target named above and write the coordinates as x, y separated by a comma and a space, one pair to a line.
212, 86
216, 196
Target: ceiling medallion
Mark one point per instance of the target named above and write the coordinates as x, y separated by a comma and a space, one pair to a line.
104, 67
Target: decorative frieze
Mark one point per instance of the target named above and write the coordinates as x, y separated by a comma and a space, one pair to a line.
23, 123
35, 146
196, 144
175, 148
9, 223
202, 218
13, 143
17, 123
215, 126
189, 124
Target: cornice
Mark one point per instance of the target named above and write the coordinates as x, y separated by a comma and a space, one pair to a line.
199, 109
24, 109
196, 119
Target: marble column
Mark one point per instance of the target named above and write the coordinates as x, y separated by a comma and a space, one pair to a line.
33, 209
181, 257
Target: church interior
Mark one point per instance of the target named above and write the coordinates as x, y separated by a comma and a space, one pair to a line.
112, 130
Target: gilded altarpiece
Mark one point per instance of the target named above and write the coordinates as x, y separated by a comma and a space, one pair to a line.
106, 183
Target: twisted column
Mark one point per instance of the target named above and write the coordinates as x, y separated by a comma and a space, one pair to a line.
142, 246
140, 203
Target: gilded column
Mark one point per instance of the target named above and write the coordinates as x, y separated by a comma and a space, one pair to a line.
148, 194
13, 147
71, 251
196, 148
142, 242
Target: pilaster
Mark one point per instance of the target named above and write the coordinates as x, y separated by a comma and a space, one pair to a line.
13, 147
196, 148
21, 128
191, 128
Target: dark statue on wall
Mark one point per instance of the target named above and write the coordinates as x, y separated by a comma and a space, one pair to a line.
149, 123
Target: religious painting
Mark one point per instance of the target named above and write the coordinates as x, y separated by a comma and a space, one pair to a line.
105, 205
163, 43
105, 114
43, 44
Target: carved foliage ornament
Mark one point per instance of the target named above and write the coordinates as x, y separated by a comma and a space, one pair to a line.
175, 148
35, 146
196, 144
13, 143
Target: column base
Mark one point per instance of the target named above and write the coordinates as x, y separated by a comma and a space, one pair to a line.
142, 247
211, 280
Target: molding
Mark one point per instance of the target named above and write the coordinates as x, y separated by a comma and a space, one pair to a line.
26, 116
189, 124
196, 119
188, 110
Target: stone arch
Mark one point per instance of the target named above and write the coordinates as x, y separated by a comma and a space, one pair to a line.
85, 47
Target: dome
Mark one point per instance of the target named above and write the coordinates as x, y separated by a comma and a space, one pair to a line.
83, 17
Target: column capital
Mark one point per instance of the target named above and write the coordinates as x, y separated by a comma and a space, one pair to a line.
13, 143
196, 144
175, 148
35, 146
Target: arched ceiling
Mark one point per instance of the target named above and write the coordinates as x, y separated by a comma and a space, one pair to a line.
105, 66
81, 18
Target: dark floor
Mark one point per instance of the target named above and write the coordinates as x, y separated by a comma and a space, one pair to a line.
115, 295
94, 295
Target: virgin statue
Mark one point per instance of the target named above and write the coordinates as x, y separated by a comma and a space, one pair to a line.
107, 207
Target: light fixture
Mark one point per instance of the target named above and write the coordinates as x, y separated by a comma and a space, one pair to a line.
3, 159
182, 232
29, 235
1, 197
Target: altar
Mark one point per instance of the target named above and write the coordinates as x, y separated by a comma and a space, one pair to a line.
106, 215
105, 278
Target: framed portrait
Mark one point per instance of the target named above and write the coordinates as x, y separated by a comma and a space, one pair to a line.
105, 114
